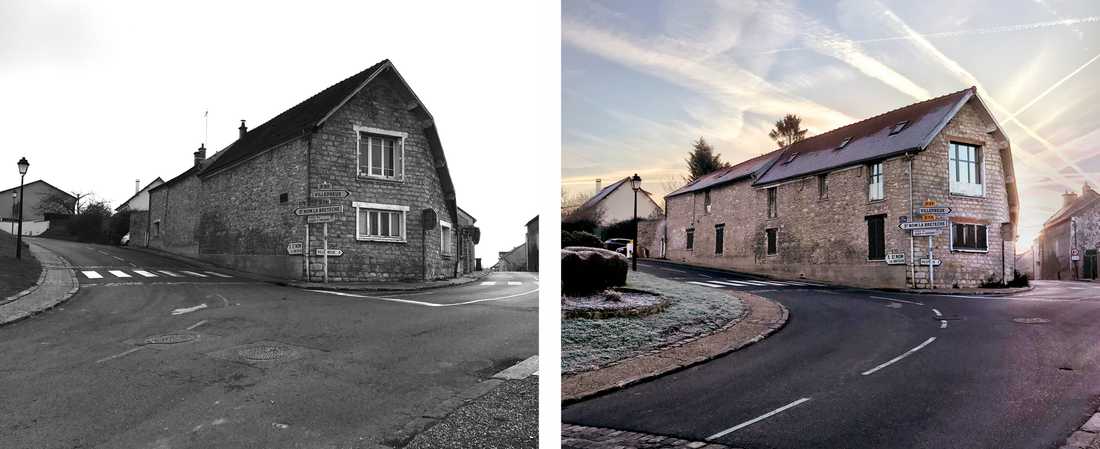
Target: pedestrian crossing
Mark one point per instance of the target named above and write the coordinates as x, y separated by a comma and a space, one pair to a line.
122, 274
752, 283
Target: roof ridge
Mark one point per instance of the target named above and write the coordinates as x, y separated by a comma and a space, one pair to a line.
971, 88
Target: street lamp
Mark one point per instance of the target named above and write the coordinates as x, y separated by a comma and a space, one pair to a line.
636, 183
23, 165
14, 197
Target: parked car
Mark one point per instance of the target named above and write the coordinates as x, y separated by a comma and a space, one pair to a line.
617, 245
125, 239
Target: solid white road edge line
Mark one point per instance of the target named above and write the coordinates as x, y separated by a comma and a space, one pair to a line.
128, 351
898, 300
189, 309
895, 359
757, 419
422, 303
193, 326
937, 312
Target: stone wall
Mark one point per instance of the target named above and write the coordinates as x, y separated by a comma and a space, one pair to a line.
825, 236
177, 207
651, 233
139, 227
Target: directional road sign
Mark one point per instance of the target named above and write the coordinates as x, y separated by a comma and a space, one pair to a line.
935, 262
895, 259
924, 224
294, 248
331, 252
927, 232
934, 210
329, 193
319, 210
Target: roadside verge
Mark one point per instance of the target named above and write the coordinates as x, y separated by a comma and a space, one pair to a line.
762, 318
55, 285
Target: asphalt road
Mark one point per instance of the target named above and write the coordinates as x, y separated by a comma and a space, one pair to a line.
261, 365
984, 381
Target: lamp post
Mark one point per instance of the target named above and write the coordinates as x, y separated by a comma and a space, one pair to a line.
636, 183
14, 197
23, 165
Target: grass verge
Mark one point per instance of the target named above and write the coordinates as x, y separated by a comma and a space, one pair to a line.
16, 275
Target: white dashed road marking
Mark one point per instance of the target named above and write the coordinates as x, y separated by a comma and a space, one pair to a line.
145, 273
895, 359
943, 324
705, 284
189, 309
169, 273
514, 283
757, 419
128, 351
218, 274
488, 283
730, 283
937, 312
192, 273
119, 274
92, 274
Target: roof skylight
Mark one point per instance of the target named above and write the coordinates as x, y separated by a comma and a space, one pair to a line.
898, 127
844, 143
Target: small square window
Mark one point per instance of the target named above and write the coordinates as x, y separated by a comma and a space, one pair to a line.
283, 198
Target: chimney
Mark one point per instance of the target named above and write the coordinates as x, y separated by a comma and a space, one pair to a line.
243, 129
137, 185
200, 154
1068, 197
598, 181
1087, 189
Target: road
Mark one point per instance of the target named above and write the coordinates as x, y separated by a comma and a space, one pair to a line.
155, 353
861, 369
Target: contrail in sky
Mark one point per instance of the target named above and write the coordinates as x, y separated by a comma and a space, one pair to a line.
977, 31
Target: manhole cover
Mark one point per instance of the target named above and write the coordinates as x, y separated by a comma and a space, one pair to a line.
169, 339
266, 351
1031, 320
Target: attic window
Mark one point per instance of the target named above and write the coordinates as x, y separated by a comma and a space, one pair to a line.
791, 159
844, 143
898, 127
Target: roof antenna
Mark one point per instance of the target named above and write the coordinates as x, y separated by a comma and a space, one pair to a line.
205, 126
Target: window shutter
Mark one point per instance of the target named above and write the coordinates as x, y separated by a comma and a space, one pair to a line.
980, 231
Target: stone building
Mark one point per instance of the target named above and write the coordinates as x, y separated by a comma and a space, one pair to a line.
830, 207
366, 149
532, 244
514, 259
138, 207
1076, 226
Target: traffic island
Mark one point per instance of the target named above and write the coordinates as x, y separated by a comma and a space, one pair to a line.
55, 284
698, 324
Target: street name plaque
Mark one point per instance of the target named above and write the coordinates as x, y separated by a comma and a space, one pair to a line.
319, 210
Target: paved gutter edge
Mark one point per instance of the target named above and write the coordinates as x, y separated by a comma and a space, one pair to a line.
762, 318
54, 275
578, 436
301, 284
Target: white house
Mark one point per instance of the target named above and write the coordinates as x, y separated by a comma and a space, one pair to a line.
140, 200
617, 203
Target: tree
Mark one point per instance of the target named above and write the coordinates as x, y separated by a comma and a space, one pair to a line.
56, 203
788, 131
702, 160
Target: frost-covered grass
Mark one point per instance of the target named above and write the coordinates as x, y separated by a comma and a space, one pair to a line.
693, 310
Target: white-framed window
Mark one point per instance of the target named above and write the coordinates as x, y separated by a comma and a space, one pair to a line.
446, 238
380, 222
380, 153
875, 190
964, 163
969, 237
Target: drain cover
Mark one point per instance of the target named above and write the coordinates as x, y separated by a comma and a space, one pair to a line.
1031, 320
266, 351
168, 339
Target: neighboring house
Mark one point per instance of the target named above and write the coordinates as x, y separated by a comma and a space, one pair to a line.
651, 237
829, 207
469, 235
532, 244
513, 260
616, 203
140, 200
42, 198
369, 135
1025, 263
138, 207
1076, 226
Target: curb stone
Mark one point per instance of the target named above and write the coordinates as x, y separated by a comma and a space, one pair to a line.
55, 285
1085, 437
583, 437
762, 318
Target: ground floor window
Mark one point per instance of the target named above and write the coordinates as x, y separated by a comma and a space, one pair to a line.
876, 237
156, 228
384, 222
968, 237
445, 238
690, 238
773, 241
719, 238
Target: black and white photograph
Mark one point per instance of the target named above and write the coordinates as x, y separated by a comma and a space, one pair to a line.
273, 224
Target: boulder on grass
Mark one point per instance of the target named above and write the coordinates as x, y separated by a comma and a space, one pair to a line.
585, 271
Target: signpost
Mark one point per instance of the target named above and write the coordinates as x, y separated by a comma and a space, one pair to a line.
934, 210
923, 224
319, 210
322, 215
933, 220
927, 232
895, 259
331, 252
329, 193
930, 262
1074, 254
294, 248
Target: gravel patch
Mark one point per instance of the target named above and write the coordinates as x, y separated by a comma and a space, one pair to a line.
506, 417
692, 311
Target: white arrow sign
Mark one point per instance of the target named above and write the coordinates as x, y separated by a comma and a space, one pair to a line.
320, 210
923, 224
935, 262
329, 193
934, 210
331, 252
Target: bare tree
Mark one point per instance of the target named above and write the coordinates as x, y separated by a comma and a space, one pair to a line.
57, 203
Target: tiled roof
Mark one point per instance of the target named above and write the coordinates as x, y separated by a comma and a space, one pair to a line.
294, 121
1087, 199
16, 188
726, 175
867, 140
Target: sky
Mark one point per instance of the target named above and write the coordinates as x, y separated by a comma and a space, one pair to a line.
98, 95
641, 80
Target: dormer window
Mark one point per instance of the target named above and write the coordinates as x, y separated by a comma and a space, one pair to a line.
898, 127
844, 143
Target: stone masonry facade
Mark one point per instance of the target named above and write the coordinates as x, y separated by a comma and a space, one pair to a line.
242, 215
825, 236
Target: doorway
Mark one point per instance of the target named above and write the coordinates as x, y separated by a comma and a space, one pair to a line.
1090, 264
